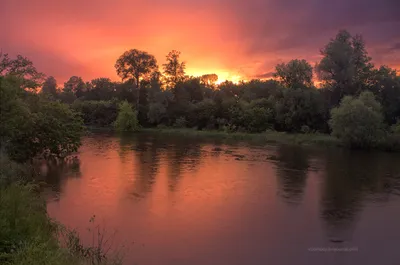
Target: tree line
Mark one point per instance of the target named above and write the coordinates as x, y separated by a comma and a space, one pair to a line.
355, 99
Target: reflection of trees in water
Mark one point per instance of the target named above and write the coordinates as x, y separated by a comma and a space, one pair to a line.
126, 143
147, 153
351, 179
291, 170
149, 150
182, 156
54, 173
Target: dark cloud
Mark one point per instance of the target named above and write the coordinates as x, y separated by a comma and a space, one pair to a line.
310, 23
214, 35
264, 76
395, 47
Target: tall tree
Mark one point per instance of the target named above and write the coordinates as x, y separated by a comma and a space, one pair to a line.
295, 74
345, 67
136, 65
174, 70
386, 86
50, 86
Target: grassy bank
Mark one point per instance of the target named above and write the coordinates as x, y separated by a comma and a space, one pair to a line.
390, 143
266, 137
27, 235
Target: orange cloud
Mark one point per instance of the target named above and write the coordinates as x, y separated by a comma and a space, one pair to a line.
235, 39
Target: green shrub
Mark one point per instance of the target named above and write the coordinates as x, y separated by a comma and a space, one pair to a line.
396, 128
23, 221
305, 129
358, 122
12, 172
127, 118
180, 122
257, 118
29, 237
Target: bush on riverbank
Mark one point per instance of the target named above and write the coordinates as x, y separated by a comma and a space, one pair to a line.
358, 121
30, 237
127, 118
34, 126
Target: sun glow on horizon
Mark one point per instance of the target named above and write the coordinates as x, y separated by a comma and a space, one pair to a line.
223, 75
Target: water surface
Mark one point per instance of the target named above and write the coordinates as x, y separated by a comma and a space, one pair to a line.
174, 200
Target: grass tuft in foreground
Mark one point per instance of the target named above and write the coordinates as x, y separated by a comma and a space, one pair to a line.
29, 237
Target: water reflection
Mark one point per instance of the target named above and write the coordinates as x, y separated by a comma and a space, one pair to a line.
56, 173
182, 156
291, 171
182, 197
351, 179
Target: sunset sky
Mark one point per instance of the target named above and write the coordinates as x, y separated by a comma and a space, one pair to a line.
237, 39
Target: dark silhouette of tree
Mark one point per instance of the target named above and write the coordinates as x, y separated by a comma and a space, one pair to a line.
209, 80
386, 86
345, 68
100, 89
295, 74
174, 70
75, 85
297, 108
50, 86
136, 65
32, 126
21, 68
290, 103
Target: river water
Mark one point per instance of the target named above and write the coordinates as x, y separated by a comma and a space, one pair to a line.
175, 200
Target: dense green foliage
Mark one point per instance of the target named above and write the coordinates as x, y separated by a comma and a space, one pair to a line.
25, 230
97, 113
32, 125
290, 103
294, 74
358, 121
396, 128
126, 119
36, 125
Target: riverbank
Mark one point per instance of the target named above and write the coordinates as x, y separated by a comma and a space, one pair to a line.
28, 236
389, 144
271, 137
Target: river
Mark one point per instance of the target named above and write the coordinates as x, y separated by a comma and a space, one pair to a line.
175, 200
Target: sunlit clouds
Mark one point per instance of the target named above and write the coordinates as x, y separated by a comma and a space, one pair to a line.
237, 40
